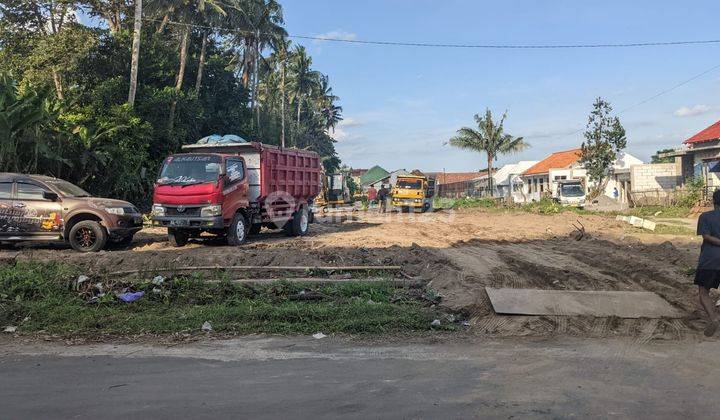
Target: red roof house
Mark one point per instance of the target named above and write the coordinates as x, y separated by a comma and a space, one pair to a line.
556, 160
709, 134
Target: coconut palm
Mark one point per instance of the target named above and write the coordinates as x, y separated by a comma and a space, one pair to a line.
134, 62
489, 138
324, 99
303, 79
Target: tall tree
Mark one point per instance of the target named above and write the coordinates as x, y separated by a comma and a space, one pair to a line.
604, 138
137, 30
490, 138
330, 113
303, 78
111, 11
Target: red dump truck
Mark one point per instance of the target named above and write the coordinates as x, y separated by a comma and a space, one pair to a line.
233, 189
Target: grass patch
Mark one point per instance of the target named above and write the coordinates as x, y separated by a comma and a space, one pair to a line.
46, 297
663, 229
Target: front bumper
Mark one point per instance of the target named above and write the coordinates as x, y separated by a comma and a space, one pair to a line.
406, 202
190, 222
126, 225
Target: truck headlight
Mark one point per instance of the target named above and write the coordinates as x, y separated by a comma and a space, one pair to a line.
119, 211
417, 200
158, 210
211, 211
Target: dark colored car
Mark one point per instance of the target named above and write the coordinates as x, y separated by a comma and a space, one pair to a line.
42, 208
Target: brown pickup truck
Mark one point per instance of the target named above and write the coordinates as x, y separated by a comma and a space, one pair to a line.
45, 209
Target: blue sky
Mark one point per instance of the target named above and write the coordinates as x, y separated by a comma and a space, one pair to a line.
401, 104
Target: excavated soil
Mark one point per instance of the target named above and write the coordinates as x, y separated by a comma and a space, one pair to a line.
458, 254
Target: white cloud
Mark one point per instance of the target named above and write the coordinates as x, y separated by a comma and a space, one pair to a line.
692, 111
341, 130
336, 34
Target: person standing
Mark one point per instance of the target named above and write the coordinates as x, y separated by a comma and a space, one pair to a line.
372, 195
382, 197
707, 275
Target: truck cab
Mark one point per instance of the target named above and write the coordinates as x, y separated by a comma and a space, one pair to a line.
412, 193
234, 189
571, 192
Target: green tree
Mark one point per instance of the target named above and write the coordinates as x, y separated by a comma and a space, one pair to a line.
657, 159
604, 138
489, 138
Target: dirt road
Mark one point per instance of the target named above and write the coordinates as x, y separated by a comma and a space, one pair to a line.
459, 253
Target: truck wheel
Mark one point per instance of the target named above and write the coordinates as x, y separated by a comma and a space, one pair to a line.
300, 222
238, 230
177, 237
255, 228
88, 236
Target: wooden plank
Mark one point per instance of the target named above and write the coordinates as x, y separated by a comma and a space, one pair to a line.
259, 267
581, 303
316, 280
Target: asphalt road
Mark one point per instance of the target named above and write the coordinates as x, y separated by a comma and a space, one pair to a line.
330, 378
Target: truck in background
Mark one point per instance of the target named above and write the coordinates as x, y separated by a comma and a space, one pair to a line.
413, 193
338, 193
571, 192
235, 188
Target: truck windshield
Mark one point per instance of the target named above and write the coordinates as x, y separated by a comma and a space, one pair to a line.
190, 170
67, 189
572, 190
410, 184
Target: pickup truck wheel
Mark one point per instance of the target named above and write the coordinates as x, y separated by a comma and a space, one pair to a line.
300, 222
178, 238
88, 236
238, 230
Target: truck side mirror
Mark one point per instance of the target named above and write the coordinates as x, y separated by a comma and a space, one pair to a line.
50, 196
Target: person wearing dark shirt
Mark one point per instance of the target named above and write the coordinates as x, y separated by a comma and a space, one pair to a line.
382, 197
707, 275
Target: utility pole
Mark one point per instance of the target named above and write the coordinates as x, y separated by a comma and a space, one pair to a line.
135, 52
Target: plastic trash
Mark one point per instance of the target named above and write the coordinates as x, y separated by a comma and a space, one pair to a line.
207, 326
158, 280
10, 329
130, 296
82, 279
319, 335
435, 323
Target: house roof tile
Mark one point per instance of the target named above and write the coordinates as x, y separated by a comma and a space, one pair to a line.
709, 134
555, 160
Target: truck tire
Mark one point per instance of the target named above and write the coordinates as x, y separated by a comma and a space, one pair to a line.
238, 230
177, 237
300, 222
88, 236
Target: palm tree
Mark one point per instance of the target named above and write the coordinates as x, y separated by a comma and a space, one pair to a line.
303, 78
324, 98
135, 52
489, 138
185, 12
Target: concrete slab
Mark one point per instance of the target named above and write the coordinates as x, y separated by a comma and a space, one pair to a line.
575, 302
648, 224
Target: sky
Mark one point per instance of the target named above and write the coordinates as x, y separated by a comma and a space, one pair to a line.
402, 104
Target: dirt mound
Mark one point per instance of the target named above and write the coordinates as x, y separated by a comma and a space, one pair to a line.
564, 264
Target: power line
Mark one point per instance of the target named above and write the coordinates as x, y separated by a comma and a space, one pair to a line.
461, 46
657, 95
